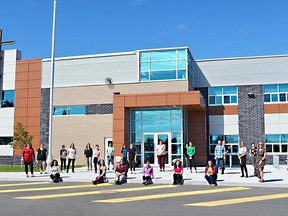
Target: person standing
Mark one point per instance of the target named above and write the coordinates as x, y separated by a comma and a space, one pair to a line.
242, 152
161, 153
88, 152
191, 150
253, 153
96, 157
55, 172
28, 158
63, 157
211, 174
260, 162
121, 173
219, 156
124, 151
101, 178
148, 174
178, 173
186, 155
41, 156
132, 158
71, 157
110, 155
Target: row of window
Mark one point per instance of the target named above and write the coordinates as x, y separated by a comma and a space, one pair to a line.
223, 95
275, 93
69, 110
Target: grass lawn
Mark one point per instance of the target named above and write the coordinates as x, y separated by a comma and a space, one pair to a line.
17, 168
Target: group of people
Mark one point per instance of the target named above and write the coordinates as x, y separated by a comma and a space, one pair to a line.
129, 160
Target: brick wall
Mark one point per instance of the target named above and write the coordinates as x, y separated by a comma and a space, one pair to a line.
44, 118
251, 116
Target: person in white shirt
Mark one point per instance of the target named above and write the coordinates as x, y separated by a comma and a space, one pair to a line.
242, 151
161, 153
71, 156
55, 172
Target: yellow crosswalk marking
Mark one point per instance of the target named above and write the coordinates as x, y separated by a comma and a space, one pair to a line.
50, 188
50, 196
168, 195
23, 184
239, 200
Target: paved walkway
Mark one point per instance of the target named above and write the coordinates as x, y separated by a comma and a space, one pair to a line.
274, 177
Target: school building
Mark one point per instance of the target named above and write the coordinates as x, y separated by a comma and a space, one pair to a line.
144, 96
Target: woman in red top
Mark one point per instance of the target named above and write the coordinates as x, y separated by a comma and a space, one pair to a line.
211, 174
178, 173
28, 158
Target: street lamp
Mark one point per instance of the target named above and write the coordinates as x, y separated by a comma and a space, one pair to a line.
50, 157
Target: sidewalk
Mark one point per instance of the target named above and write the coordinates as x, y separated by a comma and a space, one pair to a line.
274, 177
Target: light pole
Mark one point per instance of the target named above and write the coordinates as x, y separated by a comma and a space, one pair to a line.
50, 157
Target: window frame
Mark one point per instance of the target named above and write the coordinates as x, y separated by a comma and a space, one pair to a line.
222, 96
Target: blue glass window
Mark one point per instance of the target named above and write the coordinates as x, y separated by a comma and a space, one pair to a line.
233, 99
283, 88
8, 98
215, 90
266, 97
144, 56
273, 138
226, 99
6, 140
69, 110
163, 65
181, 64
176, 137
136, 137
212, 100
229, 90
232, 138
274, 97
176, 113
270, 88
214, 138
218, 99
163, 75
181, 74
282, 97
284, 138
136, 115
163, 55
176, 125
181, 54
159, 66
155, 114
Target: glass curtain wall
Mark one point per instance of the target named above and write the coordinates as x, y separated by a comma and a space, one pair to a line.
154, 123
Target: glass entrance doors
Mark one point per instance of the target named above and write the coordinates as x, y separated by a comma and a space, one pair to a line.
150, 141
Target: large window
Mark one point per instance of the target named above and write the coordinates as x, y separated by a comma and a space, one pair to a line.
69, 110
5, 140
163, 65
223, 95
232, 143
275, 93
7, 98
276, 143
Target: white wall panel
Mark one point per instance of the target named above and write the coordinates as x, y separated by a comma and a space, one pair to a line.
276, 123
6, 122
6, 150
91, 70
9, 62
223, 124
242, 71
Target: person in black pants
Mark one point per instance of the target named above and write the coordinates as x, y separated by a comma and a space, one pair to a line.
63, 157
132, 155
242, 158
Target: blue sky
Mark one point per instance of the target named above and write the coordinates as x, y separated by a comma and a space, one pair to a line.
210, 28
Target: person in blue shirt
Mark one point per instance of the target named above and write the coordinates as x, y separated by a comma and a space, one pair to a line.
219, 156
110, 155
124, 151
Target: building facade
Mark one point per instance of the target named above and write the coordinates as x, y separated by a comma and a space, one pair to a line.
145, 96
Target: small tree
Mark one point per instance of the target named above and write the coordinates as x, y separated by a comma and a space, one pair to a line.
21, 136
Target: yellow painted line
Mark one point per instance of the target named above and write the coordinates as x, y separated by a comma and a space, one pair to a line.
239, 200
50, 196
23, 184
168, 195
50, 188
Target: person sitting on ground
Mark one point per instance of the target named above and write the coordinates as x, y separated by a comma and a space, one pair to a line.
178, 173
121, 173
102, 176
211, 174
55, 169
148, 173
